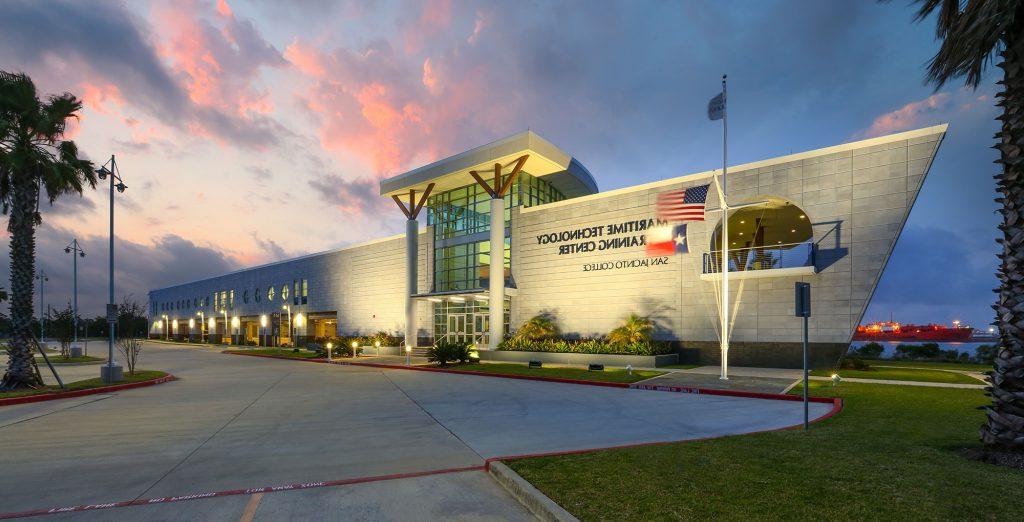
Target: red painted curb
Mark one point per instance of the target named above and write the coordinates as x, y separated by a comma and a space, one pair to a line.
79, 393
230, 492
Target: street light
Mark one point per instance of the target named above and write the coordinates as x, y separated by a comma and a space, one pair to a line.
43, 278
225, 312
263, 329
289, 309
202, 320
111, 372
76, 252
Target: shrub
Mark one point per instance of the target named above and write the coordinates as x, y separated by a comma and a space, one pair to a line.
635, 330
853, 363
592, 346
538, 328
917, 351
445, 351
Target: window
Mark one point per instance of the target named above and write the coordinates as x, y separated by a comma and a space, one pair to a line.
297, 297
245, 297
256, 294
231, 299
466, 210
270, 294
284, 292
466, 266
305, 292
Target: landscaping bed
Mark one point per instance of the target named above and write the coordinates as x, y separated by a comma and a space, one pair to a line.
579, 374
139, 376
893, 453
277, 352
57, 359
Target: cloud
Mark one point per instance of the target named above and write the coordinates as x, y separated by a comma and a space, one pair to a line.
909, 116
167, 260
351, 196
207, 89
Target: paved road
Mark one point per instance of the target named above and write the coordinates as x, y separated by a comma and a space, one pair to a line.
235, 422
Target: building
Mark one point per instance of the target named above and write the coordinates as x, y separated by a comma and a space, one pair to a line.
829, 216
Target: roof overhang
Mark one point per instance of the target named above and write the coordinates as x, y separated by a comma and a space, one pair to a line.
545, 161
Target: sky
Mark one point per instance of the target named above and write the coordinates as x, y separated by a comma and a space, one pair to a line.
253, 131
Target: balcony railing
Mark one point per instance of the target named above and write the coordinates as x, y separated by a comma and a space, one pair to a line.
793, 255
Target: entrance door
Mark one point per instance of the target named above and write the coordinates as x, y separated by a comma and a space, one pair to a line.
457, 328
482, 327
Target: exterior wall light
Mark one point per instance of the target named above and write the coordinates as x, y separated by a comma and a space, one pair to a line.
191, 324
174, 325
235, 322
213, 323
263, 321
159, 325
299, 320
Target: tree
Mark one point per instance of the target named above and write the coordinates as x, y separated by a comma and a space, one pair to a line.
635, 330
62, 326
974, 33
33, 156
130, 316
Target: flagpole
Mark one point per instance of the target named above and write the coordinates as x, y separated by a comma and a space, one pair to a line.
724, 263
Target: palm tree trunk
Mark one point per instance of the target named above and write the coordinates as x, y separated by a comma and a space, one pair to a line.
1005, 426
21, 370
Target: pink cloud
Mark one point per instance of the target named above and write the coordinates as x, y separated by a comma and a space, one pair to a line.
908, 116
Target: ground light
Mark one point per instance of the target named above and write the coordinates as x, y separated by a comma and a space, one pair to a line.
835, 379
376, 345
331, 345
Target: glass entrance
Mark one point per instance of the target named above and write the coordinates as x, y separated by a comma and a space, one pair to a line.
465, 321
457, 331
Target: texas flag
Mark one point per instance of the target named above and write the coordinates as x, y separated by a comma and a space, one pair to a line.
666, 240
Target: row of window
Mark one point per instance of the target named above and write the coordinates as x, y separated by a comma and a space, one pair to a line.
298, 291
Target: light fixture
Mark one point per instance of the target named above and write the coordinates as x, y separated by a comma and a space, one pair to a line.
263, 321
330, 345
174, 324
159, 324
457, 299
213, 323
355, 344
299, 319
191, 323
434, 300
234, 322
408, 348
803, 216
376, 344
742, 222
792, 230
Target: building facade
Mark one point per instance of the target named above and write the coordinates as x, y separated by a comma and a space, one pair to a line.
830, 217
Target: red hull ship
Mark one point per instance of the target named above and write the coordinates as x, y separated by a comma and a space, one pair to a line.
892, 331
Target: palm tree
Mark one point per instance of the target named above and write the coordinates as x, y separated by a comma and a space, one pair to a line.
538, 328
635, 330
33, 155
973, 34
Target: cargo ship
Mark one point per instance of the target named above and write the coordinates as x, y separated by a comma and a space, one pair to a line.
893, 331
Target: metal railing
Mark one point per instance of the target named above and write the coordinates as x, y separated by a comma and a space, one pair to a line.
790, 255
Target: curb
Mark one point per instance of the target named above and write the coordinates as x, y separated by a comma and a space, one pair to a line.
80, 393
526, 494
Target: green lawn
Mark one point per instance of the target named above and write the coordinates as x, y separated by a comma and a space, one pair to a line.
971, 367
140, 375
679, 366
57, 359
903, 374
891, 454
609, 375
280, 352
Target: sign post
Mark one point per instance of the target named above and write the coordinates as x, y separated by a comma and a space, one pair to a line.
803, 309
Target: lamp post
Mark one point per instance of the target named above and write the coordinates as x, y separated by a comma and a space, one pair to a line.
263, 329
300, 322
289, 309
211, 328
225, 312
111, 372
191, 327
76, 251
202, 321
235, 324
43, 278
167, 332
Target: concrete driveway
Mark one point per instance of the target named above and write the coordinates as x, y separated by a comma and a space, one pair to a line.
234, 422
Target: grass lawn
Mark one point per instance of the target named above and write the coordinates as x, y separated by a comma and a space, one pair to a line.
903, 374
608, 375
280, 352
140, 375
679, 366
890, 454
57, 359
971, 367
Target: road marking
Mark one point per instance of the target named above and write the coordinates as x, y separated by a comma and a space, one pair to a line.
250, 508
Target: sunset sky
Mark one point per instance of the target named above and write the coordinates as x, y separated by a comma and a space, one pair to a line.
254, 131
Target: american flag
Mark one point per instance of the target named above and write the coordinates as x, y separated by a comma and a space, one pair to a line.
682, 205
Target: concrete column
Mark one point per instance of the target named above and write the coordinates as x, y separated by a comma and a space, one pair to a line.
496, 299
412, 232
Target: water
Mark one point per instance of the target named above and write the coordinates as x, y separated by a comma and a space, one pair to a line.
890, 346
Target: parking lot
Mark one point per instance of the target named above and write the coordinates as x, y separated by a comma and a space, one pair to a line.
235, 422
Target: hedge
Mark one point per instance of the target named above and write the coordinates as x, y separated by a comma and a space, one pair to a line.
595, 346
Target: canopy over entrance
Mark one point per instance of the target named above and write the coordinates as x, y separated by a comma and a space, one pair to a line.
544, 160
